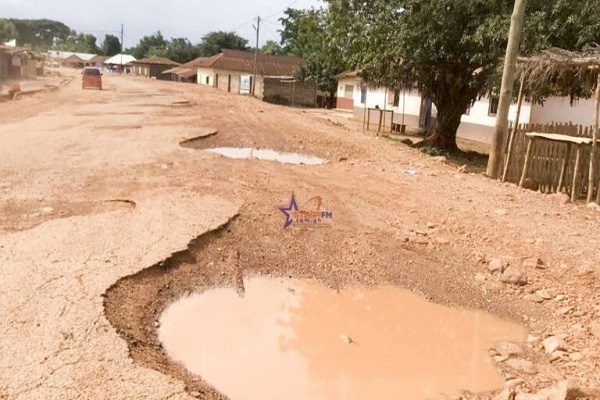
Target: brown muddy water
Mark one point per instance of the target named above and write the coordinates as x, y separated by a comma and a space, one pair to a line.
267, 155
297, 339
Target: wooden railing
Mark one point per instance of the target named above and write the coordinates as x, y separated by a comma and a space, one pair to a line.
547, 159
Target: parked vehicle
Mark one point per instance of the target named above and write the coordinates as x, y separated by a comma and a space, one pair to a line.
91, 78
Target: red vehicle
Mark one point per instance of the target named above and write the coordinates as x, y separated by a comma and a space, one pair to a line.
92, 78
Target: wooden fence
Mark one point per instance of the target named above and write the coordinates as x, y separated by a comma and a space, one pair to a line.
547, 159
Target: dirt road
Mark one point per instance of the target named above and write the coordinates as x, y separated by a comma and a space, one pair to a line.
104, 214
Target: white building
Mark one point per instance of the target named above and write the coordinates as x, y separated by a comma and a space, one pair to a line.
477, 123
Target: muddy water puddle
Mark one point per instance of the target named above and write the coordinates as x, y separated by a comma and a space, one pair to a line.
293, 339
266, 154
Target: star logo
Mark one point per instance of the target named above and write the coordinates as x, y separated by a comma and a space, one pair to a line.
287, 210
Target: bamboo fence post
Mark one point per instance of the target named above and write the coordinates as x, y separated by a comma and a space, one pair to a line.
365, 115
513, 130
575, 173
527, 161
591, 176
563, 170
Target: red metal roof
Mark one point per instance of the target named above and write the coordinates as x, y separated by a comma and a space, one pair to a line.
156, 61
243, 61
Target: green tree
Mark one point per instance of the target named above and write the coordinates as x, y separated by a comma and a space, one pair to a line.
181, 50
7, 31
450, 50
305, 34
41, 34
155, 42
111, 45
79, 43
213, 42
272, 47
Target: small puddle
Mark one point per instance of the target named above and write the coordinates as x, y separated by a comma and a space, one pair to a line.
293, 339
266, 154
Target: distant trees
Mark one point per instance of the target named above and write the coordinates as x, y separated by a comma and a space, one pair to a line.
40, 34
111, 45
148, 45
213, 42
306, 34
8, 31
79, 43
182, 50
272, 47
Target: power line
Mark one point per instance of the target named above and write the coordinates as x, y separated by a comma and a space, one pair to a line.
283, 9
244, 24
273, 35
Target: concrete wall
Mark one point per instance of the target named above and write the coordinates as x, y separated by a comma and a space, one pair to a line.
478, 124
479, 113
559, 109
230, 81
289, 92
409, 101
206, 77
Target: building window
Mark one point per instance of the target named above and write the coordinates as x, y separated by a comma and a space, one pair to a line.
396, 97
208, 80
349, 91
363, 95
494, 103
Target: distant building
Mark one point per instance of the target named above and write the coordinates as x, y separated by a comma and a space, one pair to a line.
71, 59
18, 63
153, 67
99, 61
233, 71
187, 72
121, 63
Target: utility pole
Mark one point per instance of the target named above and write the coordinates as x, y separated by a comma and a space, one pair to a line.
508, 80
257, 29
122, 47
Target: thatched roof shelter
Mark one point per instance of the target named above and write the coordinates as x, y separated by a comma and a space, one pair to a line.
560, 72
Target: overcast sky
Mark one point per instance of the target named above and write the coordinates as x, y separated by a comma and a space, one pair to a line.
174, 18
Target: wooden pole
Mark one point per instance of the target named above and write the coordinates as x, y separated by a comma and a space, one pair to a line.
527, 162
365, 112
513, 132
508, 79
593, 151
575, 173
563, 170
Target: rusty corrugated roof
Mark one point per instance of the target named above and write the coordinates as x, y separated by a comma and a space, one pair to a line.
243, 61
156, 61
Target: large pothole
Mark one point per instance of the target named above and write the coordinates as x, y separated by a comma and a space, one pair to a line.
240, 251
315, 342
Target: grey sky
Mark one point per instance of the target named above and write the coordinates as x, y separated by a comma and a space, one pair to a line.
174, 18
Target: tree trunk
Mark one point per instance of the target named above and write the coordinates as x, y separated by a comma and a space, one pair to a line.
443, 132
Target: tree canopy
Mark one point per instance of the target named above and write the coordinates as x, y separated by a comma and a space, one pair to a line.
451, 50
272, 47
79, 43
111, 45
40, 34
305, 34
8, 31
213, 42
